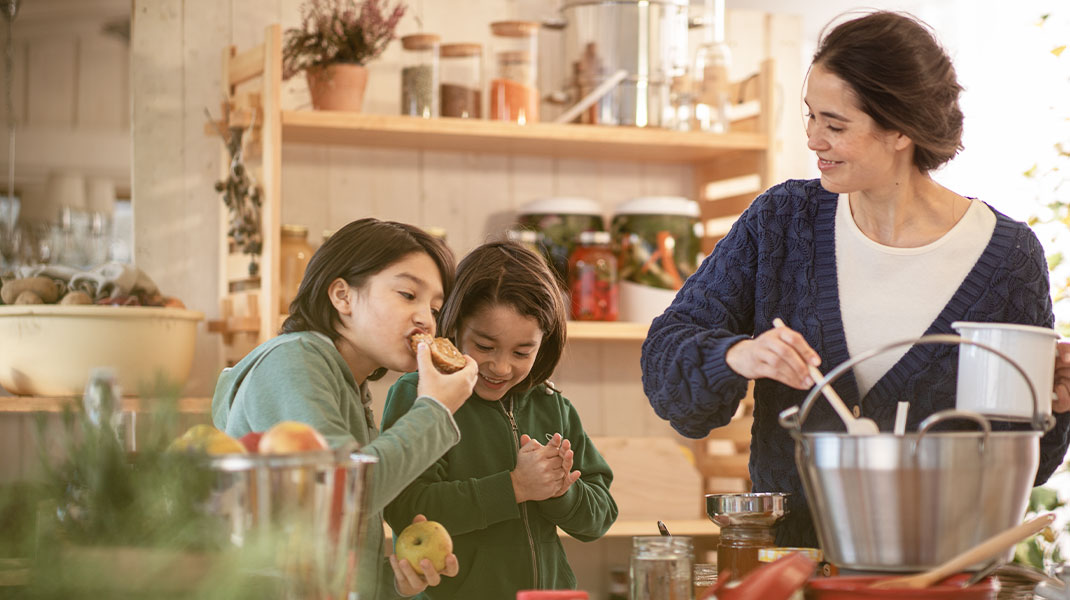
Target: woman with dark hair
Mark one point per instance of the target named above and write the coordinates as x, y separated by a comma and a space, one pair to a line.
874, 251
506, 488
365, 292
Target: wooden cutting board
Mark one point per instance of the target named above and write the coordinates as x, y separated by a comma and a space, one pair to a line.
653, 478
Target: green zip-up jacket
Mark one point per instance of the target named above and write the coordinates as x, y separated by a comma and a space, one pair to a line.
302, 377
503, 546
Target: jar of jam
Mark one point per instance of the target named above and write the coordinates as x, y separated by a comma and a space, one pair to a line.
737, 550
593, 281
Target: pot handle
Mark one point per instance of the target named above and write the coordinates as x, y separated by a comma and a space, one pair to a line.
794, 417
946, 415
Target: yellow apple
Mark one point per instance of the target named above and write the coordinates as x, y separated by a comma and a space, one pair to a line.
207, 439
291, 436
426, 539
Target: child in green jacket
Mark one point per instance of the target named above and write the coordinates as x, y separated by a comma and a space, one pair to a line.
524, 465
367, 289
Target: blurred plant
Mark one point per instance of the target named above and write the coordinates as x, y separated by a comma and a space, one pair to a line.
1051, 176
338, 31
1042, 549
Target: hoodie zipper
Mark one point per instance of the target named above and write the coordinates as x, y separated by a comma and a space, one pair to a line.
523, 506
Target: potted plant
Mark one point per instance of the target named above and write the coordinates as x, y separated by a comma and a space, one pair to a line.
334, 42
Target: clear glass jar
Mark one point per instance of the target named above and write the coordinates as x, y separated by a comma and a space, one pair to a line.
710, 73
419, 75
294, 254
461, 80
660, 567
514, 91
593, 280
738, 547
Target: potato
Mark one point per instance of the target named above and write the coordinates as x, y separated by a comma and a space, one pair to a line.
43, 287
28, 297
76, 297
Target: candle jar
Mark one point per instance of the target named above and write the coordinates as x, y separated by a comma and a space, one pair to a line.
461, 79
294, 254
419, 75
660, 567
514, 94
593, 282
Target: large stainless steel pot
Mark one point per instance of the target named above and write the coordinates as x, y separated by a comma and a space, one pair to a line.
301, 516
646, 38
909, 502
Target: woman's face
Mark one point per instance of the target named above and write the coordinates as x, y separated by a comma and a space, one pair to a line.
853, 153
504, 343
393, 304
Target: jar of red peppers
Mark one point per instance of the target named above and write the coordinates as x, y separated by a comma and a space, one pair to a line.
593, 281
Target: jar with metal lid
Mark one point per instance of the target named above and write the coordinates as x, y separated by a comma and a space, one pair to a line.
738, 547
461, 80
593, 282
419, 75
294, 253
514, 93
660, 567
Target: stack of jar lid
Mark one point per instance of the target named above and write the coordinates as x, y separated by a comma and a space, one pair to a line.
447, 79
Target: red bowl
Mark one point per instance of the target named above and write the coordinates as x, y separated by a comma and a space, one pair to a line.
857, 586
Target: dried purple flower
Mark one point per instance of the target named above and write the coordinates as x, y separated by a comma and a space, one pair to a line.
339, 31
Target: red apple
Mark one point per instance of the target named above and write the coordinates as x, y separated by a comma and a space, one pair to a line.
251, 441
290, 436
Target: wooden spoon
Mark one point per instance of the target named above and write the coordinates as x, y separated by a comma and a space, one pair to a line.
986, 549
855, 426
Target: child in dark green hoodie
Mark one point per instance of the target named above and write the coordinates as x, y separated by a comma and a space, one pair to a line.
524, 465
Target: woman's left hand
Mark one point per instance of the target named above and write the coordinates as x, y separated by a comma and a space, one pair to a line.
409, 583
1061, 401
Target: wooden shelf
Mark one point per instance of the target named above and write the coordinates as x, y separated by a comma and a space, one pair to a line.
26, 404
616, 330
498, 137
692, 527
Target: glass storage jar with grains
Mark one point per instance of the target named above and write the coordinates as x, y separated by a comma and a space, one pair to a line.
514, 93
419, 75
461, 77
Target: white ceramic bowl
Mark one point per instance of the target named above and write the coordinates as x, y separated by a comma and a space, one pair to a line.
48, 350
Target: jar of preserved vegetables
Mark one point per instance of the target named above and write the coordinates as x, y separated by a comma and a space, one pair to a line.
592, 270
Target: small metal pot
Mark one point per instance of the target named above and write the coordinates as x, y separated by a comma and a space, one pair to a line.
887, 502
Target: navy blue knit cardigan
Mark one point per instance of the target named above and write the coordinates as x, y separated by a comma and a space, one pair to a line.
779, 260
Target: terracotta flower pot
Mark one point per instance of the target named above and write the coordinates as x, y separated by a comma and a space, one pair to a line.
337, 87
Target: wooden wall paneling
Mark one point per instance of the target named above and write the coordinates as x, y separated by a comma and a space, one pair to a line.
372, 182
579, 378
52, 82
101, 62
12, 447
625, 408
270, 179
458, 191
789, 144
203, 165
305, 190
158, 191
661, 179
531, 177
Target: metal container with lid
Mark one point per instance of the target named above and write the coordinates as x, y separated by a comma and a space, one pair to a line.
645, 38
887, 502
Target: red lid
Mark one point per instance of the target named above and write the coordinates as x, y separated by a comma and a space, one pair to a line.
551, 595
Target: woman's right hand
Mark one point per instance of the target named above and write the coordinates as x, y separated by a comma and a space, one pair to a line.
450, 389
780, 354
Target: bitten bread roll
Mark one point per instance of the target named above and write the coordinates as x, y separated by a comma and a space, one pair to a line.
444, 355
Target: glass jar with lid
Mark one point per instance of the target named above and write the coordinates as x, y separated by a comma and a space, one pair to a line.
294, 254
660, 567
514, 93
419, 75
461, 80
592, 271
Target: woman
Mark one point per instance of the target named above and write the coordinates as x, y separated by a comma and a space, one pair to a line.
365, 292
873, 252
